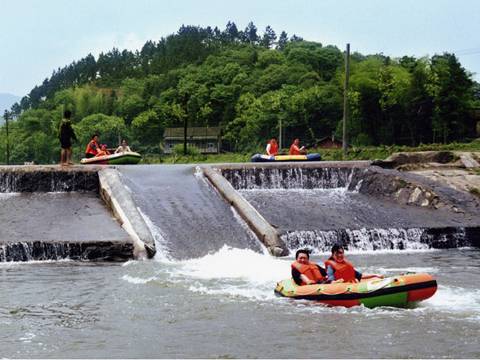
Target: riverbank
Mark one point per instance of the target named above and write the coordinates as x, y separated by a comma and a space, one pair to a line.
354, 153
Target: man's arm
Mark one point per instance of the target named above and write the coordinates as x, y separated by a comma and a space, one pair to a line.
296, 276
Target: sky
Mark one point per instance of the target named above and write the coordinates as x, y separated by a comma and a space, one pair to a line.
38, 36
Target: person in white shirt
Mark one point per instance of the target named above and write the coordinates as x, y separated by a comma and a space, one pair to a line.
123, 148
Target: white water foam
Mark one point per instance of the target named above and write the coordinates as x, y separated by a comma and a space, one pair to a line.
338, 194
455, 299
162, 253
138, 280
7, 264
231, 272
7, 195
250, 232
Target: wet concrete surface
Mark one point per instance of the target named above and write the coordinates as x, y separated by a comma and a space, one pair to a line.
57, 217
329, 209
189, 217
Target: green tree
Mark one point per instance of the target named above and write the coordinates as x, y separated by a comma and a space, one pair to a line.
268, 38
109, 129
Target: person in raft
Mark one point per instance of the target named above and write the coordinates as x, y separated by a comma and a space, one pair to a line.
295, 149
272, 147
103, 151
66, 135
305, 272
92, 147
123, 148
340, 270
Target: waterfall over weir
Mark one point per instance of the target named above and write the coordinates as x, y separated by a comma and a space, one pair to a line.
20, 179
38, 250
53, 213
379, 239
318, 207
291, 178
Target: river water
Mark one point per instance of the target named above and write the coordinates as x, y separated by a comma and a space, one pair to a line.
223, 305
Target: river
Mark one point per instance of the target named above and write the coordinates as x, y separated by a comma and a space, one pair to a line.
223, 305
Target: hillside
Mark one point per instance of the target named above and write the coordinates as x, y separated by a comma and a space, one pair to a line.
247, 83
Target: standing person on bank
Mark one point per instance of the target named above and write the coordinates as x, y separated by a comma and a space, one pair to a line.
295, 148
66, 135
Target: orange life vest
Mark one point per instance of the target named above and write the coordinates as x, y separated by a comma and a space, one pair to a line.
310, 270
92, 148
343, 270
294, 150
273, 149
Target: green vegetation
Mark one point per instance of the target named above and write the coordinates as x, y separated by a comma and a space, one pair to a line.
247, 84
475, 191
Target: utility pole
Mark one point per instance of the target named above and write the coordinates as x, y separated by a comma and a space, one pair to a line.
280, 142
185, 136
345, 100
5, 116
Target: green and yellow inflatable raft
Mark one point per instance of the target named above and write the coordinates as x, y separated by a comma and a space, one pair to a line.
114, 159
399, 291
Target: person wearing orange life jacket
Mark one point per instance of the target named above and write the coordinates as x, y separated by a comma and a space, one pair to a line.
92, 147
305, 272
272, 147
340, 270
295, 148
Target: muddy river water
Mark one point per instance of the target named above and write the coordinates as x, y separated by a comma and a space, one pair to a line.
223, 305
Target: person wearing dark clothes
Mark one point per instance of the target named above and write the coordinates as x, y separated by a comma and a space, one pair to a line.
66, 135
305, 272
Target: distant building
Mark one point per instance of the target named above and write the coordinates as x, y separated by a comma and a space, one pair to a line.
328, 142
206, 139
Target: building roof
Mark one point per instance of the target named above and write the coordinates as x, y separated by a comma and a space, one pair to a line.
329, 138
192, 133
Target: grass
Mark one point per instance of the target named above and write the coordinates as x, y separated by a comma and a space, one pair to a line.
475, 191
354, 153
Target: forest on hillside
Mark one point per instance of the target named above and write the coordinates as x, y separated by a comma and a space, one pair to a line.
246, 82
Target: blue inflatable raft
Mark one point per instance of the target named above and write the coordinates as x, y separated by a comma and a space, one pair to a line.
280, 158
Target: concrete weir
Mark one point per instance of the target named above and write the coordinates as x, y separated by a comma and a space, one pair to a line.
294, 205
265, 232
52, 212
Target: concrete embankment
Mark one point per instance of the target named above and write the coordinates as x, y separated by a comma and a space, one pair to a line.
120, 201
262, 228
52, 212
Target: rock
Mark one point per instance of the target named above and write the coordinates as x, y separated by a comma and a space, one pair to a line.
468, 161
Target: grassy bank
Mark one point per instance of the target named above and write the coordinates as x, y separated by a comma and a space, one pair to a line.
354, 153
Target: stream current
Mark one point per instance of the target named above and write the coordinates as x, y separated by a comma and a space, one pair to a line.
223, 305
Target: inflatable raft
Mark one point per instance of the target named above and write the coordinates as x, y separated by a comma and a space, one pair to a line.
280, 158
399, 291
114, 159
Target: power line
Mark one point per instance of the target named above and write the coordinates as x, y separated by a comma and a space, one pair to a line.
471, 51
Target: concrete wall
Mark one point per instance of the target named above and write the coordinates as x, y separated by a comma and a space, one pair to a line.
120, 201
264, 231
